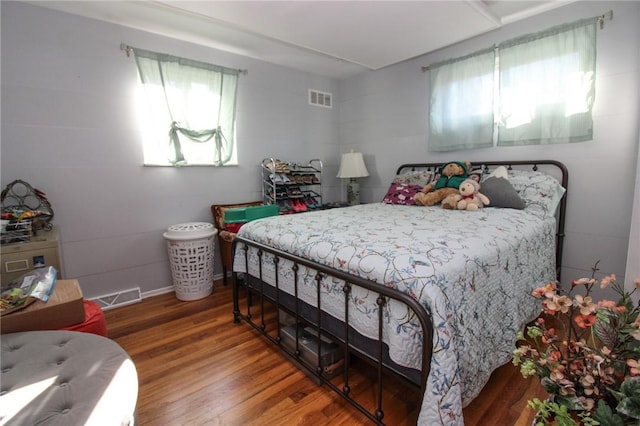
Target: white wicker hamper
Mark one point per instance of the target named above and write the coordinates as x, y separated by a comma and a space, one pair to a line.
191, 251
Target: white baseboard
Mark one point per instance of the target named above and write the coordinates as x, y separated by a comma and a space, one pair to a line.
111, 301
169, 289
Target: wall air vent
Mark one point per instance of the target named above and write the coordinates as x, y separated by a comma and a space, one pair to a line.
122, 298
319, 98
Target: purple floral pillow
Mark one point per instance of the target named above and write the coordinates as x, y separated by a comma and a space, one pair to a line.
402, 193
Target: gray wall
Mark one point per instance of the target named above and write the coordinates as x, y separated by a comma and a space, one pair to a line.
68, 127
385, 114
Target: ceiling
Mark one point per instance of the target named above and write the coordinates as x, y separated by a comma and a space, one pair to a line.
333, 38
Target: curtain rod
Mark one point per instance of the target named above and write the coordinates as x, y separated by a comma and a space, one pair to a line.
607, 16
129, 49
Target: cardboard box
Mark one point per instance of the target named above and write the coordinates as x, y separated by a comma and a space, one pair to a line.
247, 214
64, 308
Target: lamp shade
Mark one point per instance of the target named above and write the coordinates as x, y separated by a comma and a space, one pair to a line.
352, 166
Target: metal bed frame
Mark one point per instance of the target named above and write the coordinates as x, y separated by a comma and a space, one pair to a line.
261, 296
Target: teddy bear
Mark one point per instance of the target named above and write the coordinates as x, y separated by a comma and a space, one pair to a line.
468, 197
451, 176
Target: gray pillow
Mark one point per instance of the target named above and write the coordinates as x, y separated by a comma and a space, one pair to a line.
501, 193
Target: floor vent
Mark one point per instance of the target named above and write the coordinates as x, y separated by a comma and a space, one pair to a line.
321, 99
122, 298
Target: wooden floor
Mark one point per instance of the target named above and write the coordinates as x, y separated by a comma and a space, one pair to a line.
196, 367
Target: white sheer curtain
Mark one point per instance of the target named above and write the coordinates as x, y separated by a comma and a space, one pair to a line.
461, 111
547, 86
190, 110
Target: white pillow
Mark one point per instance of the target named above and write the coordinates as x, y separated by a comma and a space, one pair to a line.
500, 171
541, 192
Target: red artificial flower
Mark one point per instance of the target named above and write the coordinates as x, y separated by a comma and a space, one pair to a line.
549, 336
554, 356
542, 291
584, 321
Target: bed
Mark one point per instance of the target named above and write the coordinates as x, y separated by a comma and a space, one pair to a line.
433, 296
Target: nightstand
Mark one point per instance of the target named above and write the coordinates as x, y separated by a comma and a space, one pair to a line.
42, 250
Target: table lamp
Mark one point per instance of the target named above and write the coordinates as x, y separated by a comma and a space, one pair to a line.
352, 167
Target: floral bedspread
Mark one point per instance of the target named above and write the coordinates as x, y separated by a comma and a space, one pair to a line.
473, 271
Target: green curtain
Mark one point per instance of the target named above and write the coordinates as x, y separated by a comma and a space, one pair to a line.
547, 86
534, 89
196, 102
461, 110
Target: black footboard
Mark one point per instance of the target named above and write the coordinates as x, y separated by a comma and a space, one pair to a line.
262, 296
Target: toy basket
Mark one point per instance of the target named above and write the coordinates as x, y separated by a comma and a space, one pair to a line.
191, 251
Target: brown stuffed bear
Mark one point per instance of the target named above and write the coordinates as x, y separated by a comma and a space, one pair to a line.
451, 176
468, 197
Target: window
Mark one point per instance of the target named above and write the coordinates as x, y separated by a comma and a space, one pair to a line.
188, 111
536, 89
462, 103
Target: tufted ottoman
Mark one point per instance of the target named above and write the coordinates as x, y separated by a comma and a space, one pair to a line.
66, 378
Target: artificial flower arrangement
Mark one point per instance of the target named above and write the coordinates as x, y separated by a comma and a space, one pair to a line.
586, 355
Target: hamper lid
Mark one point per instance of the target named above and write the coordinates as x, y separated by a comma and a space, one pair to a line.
190, 231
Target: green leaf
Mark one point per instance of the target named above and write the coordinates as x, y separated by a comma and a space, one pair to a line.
550, 386
605, 416
550, 412
534, 332
570, 401
630, 403
631, 387
607, 333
